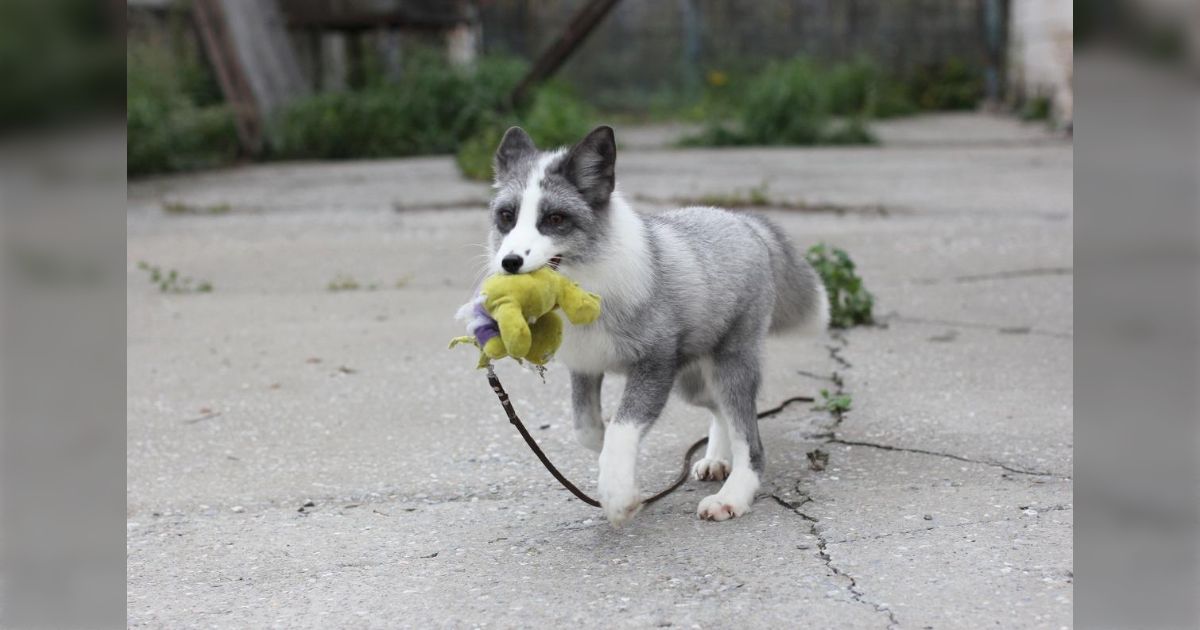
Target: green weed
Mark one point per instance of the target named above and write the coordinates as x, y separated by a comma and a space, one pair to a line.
799, 102
952, 85
171, 281
850, 303
342, 282
345, 282
61, 63
1036, 109
175, 117
432, 108
792, 103
835, 403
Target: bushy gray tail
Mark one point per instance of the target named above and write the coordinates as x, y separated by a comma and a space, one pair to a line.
800, 298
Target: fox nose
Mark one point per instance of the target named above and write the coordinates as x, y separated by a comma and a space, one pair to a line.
512, 263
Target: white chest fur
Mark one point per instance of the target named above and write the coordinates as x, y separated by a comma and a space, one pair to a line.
589, 349
622, 277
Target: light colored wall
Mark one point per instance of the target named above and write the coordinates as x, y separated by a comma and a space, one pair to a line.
1041, 53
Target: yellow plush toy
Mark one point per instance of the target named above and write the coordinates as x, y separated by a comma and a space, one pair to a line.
514, 315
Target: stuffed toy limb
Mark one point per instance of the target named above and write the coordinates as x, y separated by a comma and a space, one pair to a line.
547, 334
516, 300
513, 316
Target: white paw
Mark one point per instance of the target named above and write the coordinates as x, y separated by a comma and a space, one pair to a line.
721, 508
710, 469
621, 507
621, 500
591, 438
619, 494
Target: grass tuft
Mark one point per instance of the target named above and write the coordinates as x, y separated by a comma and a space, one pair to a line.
850, 303
342, 282
171, 281
799, 102
431, 108
174, 114
835, 403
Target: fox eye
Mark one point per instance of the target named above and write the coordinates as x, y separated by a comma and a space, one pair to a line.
555, 219
506, 216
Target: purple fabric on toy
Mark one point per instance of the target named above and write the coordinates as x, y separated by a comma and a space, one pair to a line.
485, 332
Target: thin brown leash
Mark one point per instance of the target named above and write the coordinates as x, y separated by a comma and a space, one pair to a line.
506, 403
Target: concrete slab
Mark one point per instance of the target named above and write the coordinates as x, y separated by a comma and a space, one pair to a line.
273, 390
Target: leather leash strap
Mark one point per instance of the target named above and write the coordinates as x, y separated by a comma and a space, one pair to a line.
506, 403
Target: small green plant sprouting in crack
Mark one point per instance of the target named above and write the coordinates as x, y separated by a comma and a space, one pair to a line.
837, 403
850, 303
171, 281
346, 282
342, 282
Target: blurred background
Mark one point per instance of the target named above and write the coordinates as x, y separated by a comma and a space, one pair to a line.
213, 82
271, 380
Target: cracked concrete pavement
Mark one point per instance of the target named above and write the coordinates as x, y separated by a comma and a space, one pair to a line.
946, 502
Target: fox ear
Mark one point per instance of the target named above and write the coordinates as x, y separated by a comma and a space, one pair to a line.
591, 166
515, 145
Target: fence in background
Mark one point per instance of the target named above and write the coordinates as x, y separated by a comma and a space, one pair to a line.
648, 49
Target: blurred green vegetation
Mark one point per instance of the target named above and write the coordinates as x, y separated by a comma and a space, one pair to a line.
800, 102
176, 115
60, 61
850, 303
1038, 108
953, 85
554, 117
178, 120
431, 108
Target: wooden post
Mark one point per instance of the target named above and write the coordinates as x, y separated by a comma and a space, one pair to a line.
581, 25
210, 19
249, 48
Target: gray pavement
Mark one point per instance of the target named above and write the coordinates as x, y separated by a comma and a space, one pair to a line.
947, 502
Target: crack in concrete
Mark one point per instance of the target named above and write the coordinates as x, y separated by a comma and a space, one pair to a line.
856, 593
921, 451
1004, 330
815, 376
830, 437
835, 352
1002, 275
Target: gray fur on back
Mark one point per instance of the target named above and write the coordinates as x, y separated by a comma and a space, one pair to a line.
718, 266
716, 278
714, 269
799, 294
